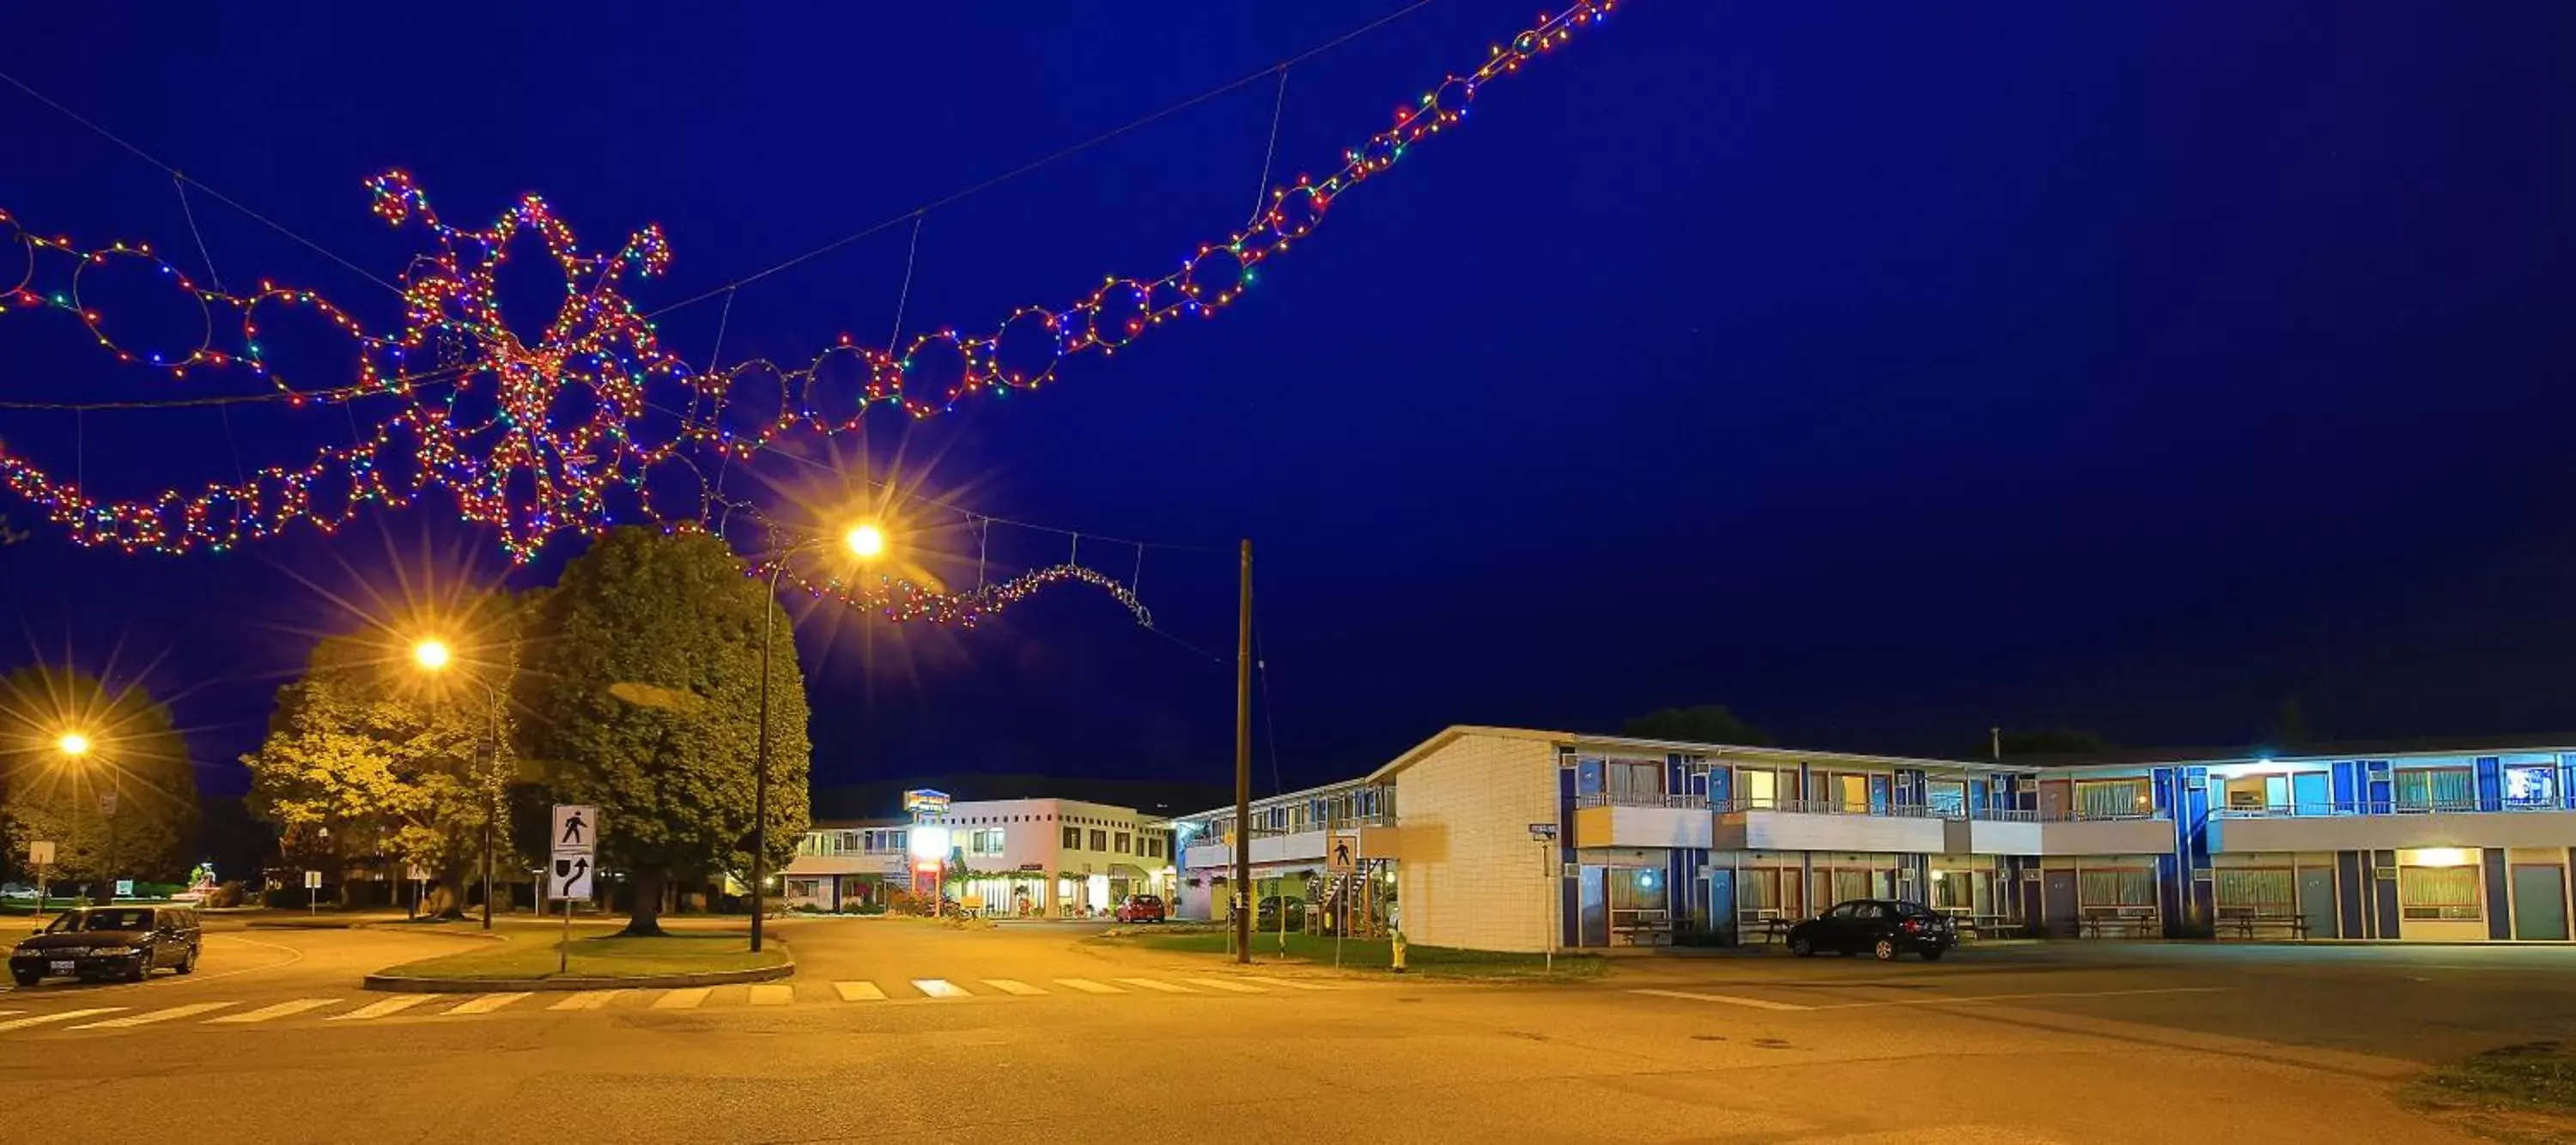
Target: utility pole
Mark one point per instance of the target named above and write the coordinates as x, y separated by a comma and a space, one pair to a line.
1243, 770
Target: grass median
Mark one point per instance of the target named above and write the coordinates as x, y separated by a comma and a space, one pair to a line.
1376, 954
529, 951
2515, 1093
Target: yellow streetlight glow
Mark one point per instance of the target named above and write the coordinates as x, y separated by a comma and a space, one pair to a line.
73, 744
431, 655
865, 540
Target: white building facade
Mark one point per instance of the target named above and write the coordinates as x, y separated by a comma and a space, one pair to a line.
1037, 858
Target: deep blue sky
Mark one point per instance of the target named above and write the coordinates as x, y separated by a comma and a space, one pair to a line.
1886, 371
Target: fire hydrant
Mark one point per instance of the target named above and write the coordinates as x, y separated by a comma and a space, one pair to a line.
1396, 950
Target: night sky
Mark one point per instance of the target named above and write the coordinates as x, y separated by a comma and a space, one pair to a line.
1885, 371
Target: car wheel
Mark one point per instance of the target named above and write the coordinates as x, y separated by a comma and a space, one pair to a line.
1885, 950
26, 977
187, 962
1933, 953
142, 968
1802, 946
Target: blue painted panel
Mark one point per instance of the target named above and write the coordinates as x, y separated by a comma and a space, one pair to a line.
2377, 795
2490, 787
1978, 793
1721, 903
2352, 874
1674, 779
1721, 784
1878, 795
2161, 781
1588, 777
2499, 886
2384, 892
2345, 794
1569, 909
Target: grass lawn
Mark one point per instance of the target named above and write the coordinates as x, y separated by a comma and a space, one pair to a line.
2516, 1093
1378, 954
597, 951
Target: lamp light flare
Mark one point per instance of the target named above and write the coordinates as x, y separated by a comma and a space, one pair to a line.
865, 541
431, 655
73, 744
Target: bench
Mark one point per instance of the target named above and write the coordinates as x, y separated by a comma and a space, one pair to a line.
1771, 929
2126, 922
2245, 924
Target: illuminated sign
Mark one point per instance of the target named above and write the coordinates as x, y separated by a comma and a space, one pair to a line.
925, 801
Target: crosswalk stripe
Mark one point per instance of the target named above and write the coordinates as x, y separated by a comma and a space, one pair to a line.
772, 994
280, 1010
173, 1012
1289, 983
586, 1000
377, 1009
65, 1016
940, 988
1088, 986
1222, 984
1729, 999
1151, 984
859, 991
683, 999
487, 1003
1013, 986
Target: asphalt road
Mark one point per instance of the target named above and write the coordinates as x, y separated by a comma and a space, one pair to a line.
911, 1031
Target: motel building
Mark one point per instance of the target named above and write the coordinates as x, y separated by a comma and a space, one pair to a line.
1033, 858
1520, 840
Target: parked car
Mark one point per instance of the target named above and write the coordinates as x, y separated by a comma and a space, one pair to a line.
1883, 927
1142, 908
103, 941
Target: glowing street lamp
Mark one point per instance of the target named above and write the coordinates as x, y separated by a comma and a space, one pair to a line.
865, 541
73, 744
433, 656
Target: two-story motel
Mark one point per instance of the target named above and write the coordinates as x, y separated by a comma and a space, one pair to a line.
1033, 857
1513, 839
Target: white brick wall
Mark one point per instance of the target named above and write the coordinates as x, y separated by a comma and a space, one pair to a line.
1470, 876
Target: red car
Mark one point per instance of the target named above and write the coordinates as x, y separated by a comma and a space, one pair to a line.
1141, 908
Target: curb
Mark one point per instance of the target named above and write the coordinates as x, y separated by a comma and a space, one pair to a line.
398, 984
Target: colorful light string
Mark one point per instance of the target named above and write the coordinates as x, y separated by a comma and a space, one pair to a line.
571, 439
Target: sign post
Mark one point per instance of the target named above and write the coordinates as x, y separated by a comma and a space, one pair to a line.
1544, 834
40, 855
1341, 855
312, 892
575, 839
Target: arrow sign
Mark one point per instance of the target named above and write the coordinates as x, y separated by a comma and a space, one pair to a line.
570, 877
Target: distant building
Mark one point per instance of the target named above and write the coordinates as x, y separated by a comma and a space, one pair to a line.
1051, 858
1516, 839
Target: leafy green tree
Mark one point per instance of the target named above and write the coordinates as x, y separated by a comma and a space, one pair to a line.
2040, 741
134, 761
365, 758
1699, 723
648, 674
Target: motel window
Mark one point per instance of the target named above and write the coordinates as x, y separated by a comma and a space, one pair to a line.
1948, 798
2437, 789
2438, 894
2113, 799
1851, 883
1099, 839
2531, 785
1854, 792
1631, 780
985, 842
1767, 892
2257, 890
1121, 845
1759, 788
1073, 838
2116, 886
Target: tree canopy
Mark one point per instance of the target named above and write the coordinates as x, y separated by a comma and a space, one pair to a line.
134, 759
1699, 723
2041, 741
648, 678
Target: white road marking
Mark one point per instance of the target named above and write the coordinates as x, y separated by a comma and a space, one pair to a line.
1729, 999
587, 1000
1222, 984
280, 1010
1012, 986
939, 988
2014, 997
1151, 984
683, 999
772, 994
377, 1009
65, 1016
859, 991
487, 1003
1088, 986
1289, 983
173, 1012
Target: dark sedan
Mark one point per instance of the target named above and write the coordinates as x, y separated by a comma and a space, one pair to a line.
109, 942
1883, 927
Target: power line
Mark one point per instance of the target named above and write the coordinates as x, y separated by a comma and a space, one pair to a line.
1058, 155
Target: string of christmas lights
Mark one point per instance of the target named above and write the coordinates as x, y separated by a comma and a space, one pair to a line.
538, 438
902, 600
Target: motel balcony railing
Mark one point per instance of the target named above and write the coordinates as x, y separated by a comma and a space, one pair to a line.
2386, 807
1684, 801
1828, 807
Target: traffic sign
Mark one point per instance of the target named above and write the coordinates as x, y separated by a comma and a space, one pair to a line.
576, 830
1343, 854
568, 878
125, 888
312, 880
1542, 832
40, 853
107, 803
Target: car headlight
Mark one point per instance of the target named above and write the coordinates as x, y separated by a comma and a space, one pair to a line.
110, 951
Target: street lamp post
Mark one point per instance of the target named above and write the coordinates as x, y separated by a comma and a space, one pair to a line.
76, 746
866, 542
434, 656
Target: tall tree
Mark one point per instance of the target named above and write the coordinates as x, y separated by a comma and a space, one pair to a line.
648, 672
1699, 723
365, 758
2040, 741
123, 806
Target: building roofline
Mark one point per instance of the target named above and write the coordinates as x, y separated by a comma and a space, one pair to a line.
2319, 753
1685, 747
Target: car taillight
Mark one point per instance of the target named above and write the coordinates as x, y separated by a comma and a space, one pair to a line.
1911, 926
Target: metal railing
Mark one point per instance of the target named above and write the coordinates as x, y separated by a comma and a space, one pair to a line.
1684, 801
1829, 807
2339, 807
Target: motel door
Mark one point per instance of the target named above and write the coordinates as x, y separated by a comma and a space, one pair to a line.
2539, 902
2317, 900
2059, 910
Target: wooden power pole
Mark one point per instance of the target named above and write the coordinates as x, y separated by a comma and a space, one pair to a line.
1243, 901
